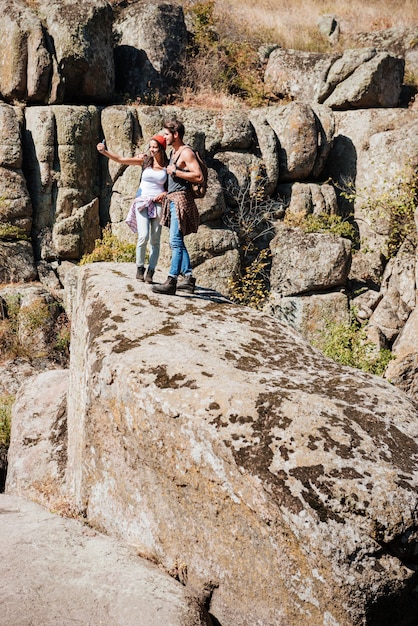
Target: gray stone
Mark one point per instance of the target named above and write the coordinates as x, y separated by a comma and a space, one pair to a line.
38, 449
363, 79
307, 198
365, 303
188, 415
62, 176
148, 58
296, 128
399, 41
308, 262
82, 37
26, 69
269, 147
295, 74
329, 26
10, 138
373, 151
398, 293
16, 262
403, 370
76, 235
59, 571
310, 315
218, 273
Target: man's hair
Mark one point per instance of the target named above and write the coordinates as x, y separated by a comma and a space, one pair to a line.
174, 126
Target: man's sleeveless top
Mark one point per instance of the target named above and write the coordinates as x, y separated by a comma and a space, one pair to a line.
177, 184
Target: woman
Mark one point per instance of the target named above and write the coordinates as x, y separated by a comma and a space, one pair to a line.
152, 190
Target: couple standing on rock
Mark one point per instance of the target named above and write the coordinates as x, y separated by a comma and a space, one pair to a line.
164, 198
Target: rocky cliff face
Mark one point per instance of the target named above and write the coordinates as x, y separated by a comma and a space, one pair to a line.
276, 485
59, 191
273, 483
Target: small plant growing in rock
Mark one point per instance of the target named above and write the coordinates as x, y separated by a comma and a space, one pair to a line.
6, 405
347, 343
9, 232
109, 248
322, 223
63, 334
394, 207
252, 214
252, 218
251, 289
19, 328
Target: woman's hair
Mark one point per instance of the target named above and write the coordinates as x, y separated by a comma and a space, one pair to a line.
174, 126
149, 160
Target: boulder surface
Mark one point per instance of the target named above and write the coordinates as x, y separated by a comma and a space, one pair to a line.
59, 571
275, 484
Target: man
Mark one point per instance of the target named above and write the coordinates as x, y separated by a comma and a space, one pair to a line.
179, 209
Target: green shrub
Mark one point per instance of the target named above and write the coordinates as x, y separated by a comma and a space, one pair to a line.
347, 343
251, 289
39, 315
394, 207
109, 249
226, 62
10, 232
6, 405
63, 334
323, 223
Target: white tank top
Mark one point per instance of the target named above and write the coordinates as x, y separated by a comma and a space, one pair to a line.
152, 182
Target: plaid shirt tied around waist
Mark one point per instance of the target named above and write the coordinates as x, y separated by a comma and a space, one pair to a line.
140, 204
187, 213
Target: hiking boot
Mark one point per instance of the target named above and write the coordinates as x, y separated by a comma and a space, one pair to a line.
140, 272
169, 287
187, 284
148, 276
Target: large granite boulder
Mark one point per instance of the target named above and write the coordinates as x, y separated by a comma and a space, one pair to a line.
57, 51
297, 132
15, 205
296, 74
151, 49
373, 150
361, 79
17, 262
82, 36
274, 483
62, 177
58, 571
311, 314
399, 41
357, 79
26, 71
398, 293
306, 262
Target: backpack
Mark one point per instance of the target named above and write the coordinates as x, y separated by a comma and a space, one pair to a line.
198, 189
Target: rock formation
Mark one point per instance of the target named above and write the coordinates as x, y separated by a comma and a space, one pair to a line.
273, 483
73, 574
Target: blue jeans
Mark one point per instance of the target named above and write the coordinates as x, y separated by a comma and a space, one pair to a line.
148, 228
180, 260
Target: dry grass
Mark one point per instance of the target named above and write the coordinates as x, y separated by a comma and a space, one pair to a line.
225, 70
288, 20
